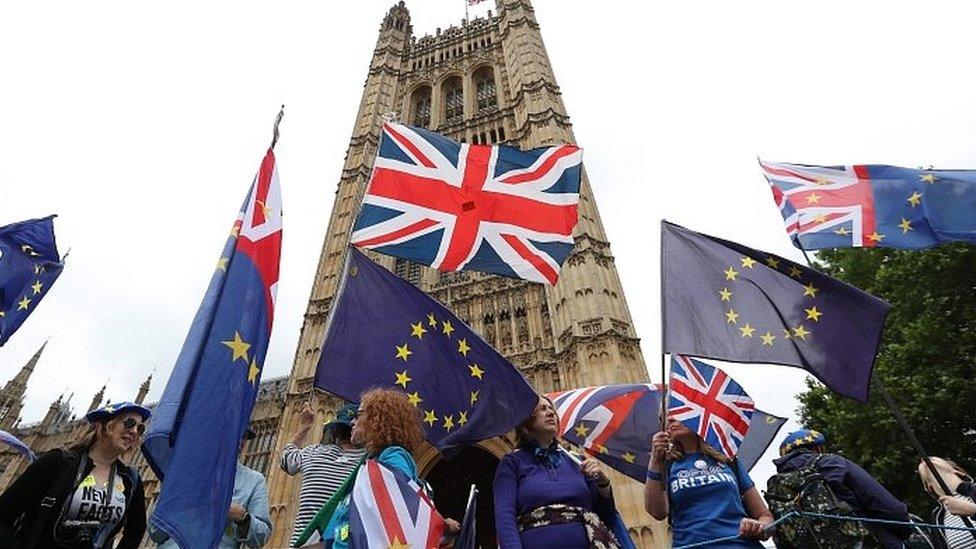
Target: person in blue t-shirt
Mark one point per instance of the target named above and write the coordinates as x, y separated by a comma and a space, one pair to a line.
707, 496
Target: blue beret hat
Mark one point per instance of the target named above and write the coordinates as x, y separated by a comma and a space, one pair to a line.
799, 439
109, 411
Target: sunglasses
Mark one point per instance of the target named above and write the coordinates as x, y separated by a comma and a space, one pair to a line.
131, 422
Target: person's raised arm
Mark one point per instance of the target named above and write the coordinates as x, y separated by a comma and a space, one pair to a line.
655, 497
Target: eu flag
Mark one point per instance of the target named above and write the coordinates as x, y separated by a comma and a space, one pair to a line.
873, 205
725, 301
193, 440
29, 265
384, 332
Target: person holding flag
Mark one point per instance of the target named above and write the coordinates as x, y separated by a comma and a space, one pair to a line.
693, 476
543, 499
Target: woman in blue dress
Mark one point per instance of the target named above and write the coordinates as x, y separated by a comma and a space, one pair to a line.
543, 499
707, 496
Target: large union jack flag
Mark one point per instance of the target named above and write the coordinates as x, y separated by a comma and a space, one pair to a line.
390, 510
457, 206
710, 403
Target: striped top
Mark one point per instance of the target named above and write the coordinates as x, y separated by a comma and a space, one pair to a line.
957, 539
323, 469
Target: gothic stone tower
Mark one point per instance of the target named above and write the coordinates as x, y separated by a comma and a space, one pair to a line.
487, 81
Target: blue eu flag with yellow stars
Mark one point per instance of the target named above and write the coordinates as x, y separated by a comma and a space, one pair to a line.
384, 332
728, 302
29, 265
195, 434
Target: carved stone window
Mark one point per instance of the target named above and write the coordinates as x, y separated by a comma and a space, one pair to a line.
421, 105
453, 100
591, 327
484, 80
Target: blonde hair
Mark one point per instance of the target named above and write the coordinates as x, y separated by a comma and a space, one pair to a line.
930, 483
676, 453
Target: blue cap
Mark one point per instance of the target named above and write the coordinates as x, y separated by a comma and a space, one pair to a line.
109, 411
344, 416
799, 439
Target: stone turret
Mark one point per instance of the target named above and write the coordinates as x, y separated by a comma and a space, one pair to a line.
97, 399
143, 390
12, 394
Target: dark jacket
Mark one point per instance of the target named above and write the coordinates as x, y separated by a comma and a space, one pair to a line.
31, 507
853, 485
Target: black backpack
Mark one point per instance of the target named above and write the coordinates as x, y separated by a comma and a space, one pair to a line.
807, 490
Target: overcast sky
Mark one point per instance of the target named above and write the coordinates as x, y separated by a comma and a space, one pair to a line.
141, 126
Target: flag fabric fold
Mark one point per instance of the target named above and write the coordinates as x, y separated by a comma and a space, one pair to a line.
710, 403
458, 206
193, 439
873, 205
384, 332
29, 265
389, 509
729, 302
615, 424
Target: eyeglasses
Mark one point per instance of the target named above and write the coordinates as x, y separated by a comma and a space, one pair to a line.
131, 422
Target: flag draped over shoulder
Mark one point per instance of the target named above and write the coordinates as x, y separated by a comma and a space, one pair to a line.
388, 509
615, 424
384, 332
873, 205
193, 440
455, 206
710, 403
725, 301
29, 265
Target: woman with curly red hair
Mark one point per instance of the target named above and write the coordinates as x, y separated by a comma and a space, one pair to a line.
389, 428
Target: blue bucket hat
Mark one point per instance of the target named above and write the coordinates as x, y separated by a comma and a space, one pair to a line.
109, 411
344, 416
799, 439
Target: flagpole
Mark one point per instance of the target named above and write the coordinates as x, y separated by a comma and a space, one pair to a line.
664, 379
905, 427
274, 138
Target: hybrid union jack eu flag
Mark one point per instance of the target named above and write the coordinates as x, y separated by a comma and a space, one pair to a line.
615, 424
388, 509
193, 440
710, 403
873, 205
458, 206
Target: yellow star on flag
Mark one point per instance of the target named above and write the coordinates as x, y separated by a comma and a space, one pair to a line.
448, 328
747, 262
253, 371
814, 198
23, 303
3, 314
772, 262
747, 330
875, 237
463, 346
36, 286
821, 180
928, 178
462, 418
915, 199
730, 274
474, 397
403, 352
431, 320
801, 332
795, 271
38, 269
628, 457
238, 346
731, 317
397, 544
787, 334
820, 218
768, 339
842, 231
476, 371
602, 449
582, 430
430, 418
402, 379
222, 263
414, 398
235, 230
417, 330
810, 290
813, 314
449, 422
905, 225
726, 294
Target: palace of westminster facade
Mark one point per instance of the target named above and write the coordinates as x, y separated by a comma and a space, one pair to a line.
486, 81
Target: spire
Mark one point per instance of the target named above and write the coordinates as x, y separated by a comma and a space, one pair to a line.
12, 394
97, 400
25, 372
143, 390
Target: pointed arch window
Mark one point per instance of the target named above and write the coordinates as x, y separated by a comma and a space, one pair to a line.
453, 100
484, 80
421, 106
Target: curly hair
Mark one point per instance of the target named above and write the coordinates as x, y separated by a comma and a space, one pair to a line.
386, 418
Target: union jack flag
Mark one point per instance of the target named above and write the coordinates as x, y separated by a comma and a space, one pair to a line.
710, 403
457, 206
388, 509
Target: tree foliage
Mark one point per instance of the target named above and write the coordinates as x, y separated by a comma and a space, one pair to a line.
927, 361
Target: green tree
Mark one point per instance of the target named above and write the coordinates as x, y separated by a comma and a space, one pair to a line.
927, 361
